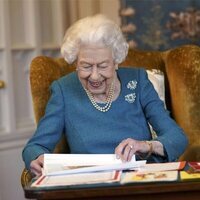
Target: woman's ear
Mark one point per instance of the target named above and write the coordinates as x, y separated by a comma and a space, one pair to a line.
116, 67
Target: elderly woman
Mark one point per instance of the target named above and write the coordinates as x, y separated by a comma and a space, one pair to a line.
103, 109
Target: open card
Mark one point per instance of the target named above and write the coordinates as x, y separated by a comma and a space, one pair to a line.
133, 177
78, 179
62, 164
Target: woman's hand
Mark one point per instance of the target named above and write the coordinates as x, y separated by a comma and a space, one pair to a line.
37, 165
127, 148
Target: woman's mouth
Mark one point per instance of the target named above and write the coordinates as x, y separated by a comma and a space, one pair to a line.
95, 84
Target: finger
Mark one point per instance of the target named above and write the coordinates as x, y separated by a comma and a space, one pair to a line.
36, 165
127, 153
131, 152
119, 151
121, 147
40, 160
35, 172
36, 168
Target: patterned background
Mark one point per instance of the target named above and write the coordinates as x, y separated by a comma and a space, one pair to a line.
160, 24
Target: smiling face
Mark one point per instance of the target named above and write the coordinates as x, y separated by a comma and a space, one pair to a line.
96, 69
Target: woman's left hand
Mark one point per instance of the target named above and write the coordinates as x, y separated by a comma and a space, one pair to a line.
128, 147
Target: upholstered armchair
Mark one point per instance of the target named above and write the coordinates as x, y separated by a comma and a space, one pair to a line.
181, 68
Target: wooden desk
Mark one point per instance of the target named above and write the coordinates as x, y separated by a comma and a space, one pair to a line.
146, 191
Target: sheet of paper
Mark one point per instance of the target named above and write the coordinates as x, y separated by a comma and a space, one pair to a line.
82, 159
77, 179
156, 167
121, 166
132, 177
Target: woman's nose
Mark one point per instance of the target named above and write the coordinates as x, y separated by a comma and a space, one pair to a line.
95, 73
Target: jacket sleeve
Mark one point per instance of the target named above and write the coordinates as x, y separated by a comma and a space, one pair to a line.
168, 132
49, 129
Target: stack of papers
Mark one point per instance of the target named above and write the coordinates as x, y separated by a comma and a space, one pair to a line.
79, 169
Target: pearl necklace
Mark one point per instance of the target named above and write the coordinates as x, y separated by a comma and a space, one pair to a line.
108, 99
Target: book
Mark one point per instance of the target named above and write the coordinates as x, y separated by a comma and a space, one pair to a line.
134, 177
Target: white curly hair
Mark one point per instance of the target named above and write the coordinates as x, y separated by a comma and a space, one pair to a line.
99, 30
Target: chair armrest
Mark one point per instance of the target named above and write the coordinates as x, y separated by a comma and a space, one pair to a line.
26, 178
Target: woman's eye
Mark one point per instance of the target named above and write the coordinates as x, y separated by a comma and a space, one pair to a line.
103, 67
86, 67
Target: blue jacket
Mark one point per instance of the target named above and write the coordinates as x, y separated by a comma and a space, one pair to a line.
90, 131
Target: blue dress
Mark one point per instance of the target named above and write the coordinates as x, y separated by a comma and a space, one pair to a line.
90, 131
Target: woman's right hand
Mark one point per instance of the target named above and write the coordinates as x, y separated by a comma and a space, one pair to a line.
37, 165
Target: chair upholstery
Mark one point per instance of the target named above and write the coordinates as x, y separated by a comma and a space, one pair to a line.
181, 68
